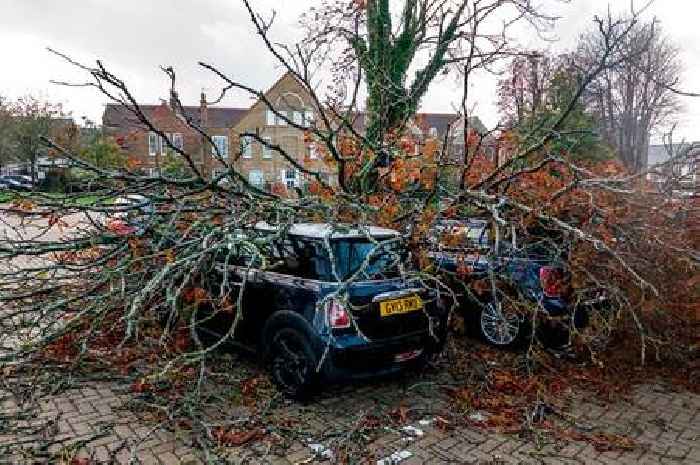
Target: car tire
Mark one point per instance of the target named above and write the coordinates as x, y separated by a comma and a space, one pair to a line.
291, 360
505, 331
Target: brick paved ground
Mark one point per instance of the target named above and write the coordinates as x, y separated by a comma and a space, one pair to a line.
94, 419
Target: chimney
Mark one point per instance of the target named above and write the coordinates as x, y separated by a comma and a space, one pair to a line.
203, 113
203, 123
173, 100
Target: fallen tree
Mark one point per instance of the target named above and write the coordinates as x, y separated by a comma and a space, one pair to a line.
83, 290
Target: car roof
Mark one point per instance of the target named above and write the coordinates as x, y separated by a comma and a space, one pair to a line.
129, 199
332, 231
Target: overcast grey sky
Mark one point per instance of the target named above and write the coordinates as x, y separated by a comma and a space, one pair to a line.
134, 37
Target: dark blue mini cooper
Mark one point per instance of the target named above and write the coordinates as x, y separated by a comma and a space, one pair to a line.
503, 286
329, 303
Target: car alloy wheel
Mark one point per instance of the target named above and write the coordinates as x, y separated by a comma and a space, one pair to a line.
292, 367
497, 328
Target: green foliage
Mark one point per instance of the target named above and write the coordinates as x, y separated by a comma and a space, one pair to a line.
385, 57
174, 166
578, 137
24, 122
6, 197
104, 153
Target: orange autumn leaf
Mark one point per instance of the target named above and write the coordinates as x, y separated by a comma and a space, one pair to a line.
236, 438
133, 163
120, 227
140, 386
195, 295
169, 255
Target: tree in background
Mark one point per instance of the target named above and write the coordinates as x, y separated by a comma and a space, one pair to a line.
103, 152
23, 124
635, 97
520, 93
537, 89
6, 142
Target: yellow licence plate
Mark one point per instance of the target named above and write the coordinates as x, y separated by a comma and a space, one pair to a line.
398, 306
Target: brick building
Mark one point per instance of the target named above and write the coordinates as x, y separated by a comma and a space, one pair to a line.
150, 152
261, 165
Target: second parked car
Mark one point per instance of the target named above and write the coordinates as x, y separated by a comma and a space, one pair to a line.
16, 182
502, 286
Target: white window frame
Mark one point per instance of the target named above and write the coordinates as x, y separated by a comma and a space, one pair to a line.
246, 147
267, 151
152, 143
164, 145
271, 118
308, 117
258, 175
433, 132
295, 181
222, 146
177, 140
313, 151
298, 118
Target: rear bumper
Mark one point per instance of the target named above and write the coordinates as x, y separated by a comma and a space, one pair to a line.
375, 358
578, 314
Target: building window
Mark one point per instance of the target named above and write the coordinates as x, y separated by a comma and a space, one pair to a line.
308, 117
433, 132
256, 178
246, 147
177, 140
164, 145
313, 151
266, 150
299, 118
220, 146
152, 143
271, 118
291, 178
153, 172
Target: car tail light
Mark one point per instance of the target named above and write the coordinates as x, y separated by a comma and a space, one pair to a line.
338, 316
552, 281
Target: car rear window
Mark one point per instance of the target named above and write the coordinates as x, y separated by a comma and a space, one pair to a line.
368, 259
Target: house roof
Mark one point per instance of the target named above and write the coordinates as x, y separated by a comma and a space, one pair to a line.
116, 115
426, 121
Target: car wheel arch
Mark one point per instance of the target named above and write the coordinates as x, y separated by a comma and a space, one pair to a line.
286, 319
